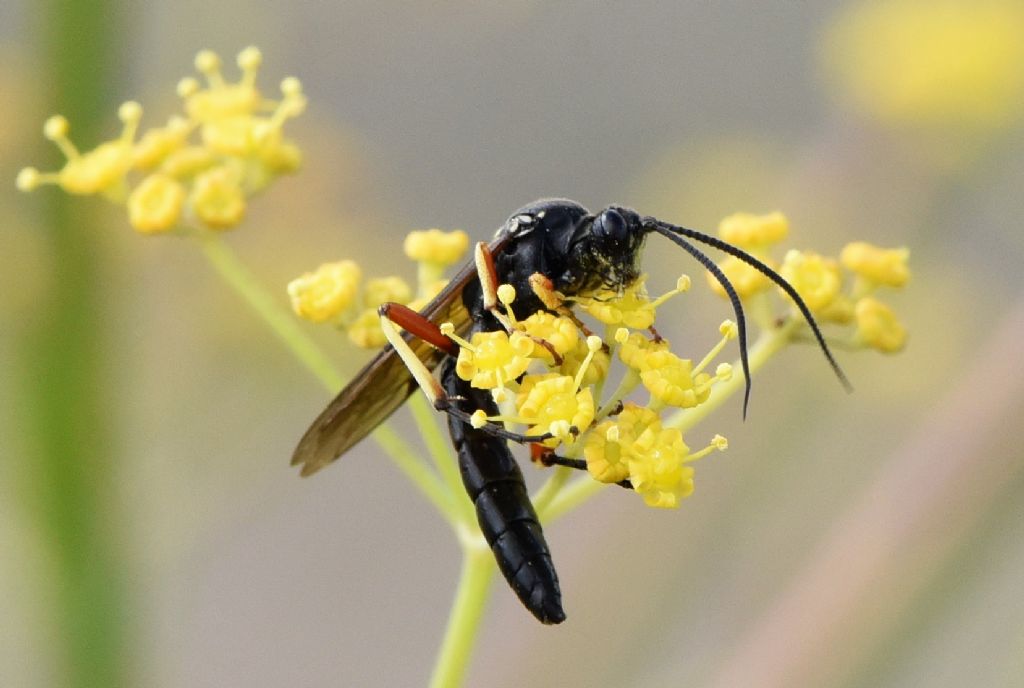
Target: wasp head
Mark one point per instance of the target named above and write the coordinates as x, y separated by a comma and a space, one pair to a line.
605, 252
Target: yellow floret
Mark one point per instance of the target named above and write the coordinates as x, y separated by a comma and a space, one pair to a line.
325, 293
554, 399
754, 232
217, 199
657, 468
156, 144
558, 331
494, 359
634, 348
746, 280
365, 330
878, 265
381, 290
154, 206
670, 380
600, 363
435, 246
815, 278
632, 308
878, 327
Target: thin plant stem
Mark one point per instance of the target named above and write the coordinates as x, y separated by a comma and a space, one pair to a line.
238, 277
467, 611
441, 452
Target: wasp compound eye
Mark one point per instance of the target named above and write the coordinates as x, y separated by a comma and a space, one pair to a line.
611, 225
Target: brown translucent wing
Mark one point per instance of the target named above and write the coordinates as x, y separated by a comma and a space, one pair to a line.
383, 385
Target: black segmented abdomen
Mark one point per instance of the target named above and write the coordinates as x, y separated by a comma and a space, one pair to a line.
507, 518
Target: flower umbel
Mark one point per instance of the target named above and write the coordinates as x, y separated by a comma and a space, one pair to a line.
164, 179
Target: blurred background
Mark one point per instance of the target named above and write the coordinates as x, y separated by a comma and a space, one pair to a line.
151, 530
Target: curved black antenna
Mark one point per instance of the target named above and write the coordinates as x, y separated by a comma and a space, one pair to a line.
734, 299
670, 230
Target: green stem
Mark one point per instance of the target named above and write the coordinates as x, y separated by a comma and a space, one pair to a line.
441, 452
69, 420
467, 611
284, 324
238, 277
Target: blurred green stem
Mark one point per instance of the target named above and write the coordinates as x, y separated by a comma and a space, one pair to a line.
66, 395
467, 611
288, 329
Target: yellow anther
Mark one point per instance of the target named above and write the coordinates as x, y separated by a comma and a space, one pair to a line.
506, 294
56, 128
729, 329
683, 284
28, 179
154, 206
612, 433
500, 395
621, 335
249, 61
560, 429
187, 86
291, 86
478, 419
720, 443
207, 63
594, 343
724, 371
130, 112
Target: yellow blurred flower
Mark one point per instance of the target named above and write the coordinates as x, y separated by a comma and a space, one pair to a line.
878, 265
754, 232
154, 206
814, 277
945, 64
325, 293
878, 327
436, 246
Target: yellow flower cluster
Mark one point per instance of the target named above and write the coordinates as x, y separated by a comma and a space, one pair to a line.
335, 292
840, 291
561, 399
201, 167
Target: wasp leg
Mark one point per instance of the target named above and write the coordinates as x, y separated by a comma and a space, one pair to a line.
392, 314
544, 290
488, 276
547, 457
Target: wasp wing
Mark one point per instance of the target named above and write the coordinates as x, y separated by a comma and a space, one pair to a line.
383, 385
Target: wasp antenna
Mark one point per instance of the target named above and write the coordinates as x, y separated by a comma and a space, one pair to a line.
734, 299
672, 231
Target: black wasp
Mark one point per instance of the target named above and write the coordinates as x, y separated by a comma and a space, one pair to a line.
551, 246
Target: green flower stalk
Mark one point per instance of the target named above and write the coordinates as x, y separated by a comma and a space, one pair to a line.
618, 407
